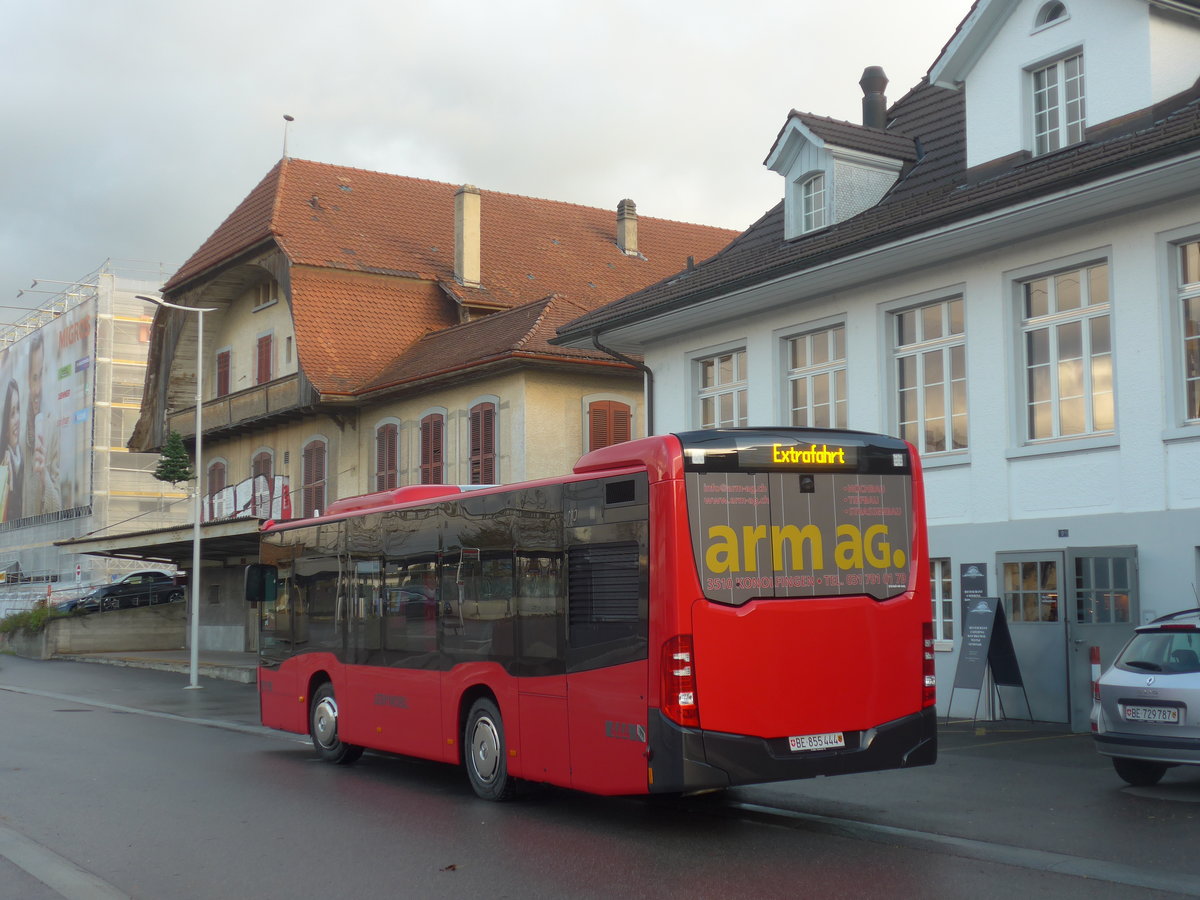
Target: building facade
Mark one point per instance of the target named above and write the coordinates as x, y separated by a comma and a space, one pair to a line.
73, 371
366, 331
1002, 267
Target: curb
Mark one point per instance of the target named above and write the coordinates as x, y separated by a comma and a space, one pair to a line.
238, 674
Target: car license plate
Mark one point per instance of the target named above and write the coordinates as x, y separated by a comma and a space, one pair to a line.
1152, 714
801, 742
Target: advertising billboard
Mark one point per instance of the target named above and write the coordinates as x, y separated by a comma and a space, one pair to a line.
46, 425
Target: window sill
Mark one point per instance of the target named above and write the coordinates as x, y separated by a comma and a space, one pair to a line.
1181, 433
263, 306
946, 460
1064, 446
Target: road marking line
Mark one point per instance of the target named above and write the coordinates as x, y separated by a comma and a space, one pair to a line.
56, 872
116, 707
1021, 857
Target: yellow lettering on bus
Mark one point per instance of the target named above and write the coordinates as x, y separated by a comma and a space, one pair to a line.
752, 534
849, 552
797, 538
802, 547
722, 554
878, 553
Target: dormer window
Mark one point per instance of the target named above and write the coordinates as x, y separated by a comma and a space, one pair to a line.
265, 293
812, 199
1058, 105
1049, 14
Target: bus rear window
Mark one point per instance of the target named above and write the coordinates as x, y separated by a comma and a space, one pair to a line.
800, 534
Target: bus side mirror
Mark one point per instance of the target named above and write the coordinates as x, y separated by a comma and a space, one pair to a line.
262, 583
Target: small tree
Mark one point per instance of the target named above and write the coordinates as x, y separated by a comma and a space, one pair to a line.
174, 465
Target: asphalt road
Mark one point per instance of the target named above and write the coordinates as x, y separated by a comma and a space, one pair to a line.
119, 783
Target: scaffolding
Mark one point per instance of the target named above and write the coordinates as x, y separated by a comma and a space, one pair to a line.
122, 495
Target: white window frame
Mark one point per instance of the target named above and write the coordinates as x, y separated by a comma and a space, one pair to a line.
1050, 14
736, 388
1092, 377
941, 592
814, 203
945, 348
1185, 294
1058, 119
820, 347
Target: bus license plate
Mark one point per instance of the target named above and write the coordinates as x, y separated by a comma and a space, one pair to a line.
801, 742
1151, 714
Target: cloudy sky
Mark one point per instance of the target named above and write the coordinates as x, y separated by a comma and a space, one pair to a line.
133, 127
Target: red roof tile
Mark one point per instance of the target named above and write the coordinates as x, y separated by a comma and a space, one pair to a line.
339, 225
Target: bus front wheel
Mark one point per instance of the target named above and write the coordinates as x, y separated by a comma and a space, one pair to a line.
323, 726
483, 747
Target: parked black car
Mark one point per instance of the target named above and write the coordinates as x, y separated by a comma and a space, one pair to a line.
135, 589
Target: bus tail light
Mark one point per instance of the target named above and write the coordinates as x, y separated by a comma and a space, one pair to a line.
929, 688
679, 681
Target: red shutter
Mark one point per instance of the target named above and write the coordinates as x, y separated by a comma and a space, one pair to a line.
483, 444
314, 478
261, 465
386, 457
222, 373
216, 478
264, 359
431, 449
609, 422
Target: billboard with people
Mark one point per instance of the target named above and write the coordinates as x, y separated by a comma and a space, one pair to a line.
46, 429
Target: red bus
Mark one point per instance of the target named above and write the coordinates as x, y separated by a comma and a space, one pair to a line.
681, 613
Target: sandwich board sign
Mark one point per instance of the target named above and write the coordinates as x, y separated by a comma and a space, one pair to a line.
986, 646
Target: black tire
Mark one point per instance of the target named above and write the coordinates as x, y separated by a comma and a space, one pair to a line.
323, 727
174, 596
484, 753
1139, 772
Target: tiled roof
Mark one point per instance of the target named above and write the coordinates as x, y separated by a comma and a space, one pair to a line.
855, 137
936, 192
520, 333
350, 233
351, 324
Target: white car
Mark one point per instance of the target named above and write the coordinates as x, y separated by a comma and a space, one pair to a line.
1146, 709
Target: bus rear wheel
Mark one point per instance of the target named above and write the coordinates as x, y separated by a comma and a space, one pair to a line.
483, 749
323, 726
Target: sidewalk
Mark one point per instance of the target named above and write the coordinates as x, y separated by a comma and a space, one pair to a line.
225, 665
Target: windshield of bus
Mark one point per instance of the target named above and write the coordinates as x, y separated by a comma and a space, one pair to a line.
798, 513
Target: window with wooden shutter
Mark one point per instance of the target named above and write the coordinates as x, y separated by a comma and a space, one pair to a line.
313, 481
387, 438
609, 422
262, 464
216, 477
223, 359
483, 443
264, 359
432, 427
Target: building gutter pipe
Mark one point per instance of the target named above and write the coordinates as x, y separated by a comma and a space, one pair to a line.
641, 367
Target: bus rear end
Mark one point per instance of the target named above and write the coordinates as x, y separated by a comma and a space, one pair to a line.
798, 642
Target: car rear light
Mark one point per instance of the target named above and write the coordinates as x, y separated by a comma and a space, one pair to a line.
929, 688
1176, 627
679, 702
1095, 660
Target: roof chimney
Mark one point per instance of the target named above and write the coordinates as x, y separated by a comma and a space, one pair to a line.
627, 227
466, 236
873, 83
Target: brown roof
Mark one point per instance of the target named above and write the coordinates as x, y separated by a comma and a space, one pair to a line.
936, 192
372, 259
522, 333
854, 137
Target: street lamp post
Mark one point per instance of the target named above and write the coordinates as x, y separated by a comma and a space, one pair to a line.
194, 642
